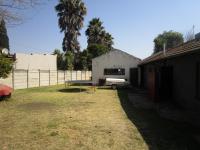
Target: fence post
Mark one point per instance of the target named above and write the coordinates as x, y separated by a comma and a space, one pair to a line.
76, 75
71, 75
85, 74
49, 78
81, 74
57, 77
27, 77
39, 77
64, 76
13, 78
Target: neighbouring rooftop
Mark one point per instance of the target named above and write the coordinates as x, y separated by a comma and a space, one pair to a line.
183, 49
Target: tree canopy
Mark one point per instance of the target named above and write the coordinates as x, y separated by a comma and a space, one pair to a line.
4, 40
5, 62
170, 39
94, 31
95, 50
5, 66
65, 60
60, 59
71, 16
96, 34
70, 20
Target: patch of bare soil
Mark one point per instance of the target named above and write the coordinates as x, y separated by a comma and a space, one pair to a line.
37, 106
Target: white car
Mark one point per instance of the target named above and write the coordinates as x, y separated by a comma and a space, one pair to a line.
115, 82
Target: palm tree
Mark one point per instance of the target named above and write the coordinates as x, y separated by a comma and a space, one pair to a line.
94, 31
97, 35
71, 16
108, 40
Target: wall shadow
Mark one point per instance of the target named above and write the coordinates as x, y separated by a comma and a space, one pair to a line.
72, 90
158, 133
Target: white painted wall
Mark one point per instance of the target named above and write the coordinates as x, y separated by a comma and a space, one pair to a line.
113, 59
35, 61
21, 79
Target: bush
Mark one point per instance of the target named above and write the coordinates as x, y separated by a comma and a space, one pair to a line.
5, 66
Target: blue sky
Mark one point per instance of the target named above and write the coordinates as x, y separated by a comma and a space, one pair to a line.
133, 23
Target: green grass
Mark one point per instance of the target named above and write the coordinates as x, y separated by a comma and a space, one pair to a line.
57, 118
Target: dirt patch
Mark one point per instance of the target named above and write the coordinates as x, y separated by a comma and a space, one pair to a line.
80, 104
37, 106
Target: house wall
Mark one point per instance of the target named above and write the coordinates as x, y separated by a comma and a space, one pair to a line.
184, 79
35, 62
184, 76
113, 59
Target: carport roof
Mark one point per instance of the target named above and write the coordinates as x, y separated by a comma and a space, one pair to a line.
183, 49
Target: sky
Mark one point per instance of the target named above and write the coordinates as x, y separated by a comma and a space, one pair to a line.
133, 24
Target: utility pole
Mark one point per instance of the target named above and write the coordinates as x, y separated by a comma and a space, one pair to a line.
193, 32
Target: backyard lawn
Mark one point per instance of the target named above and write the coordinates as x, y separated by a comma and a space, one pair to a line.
57, 118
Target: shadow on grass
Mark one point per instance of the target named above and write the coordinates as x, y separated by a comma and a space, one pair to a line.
105, 88
73, 90
158, 133
5, 98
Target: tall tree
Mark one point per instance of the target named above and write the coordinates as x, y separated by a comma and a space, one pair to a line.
71, 16
5, 62
96, 34
84, 60
69, 59
94, 31
170, 38
60, 59
99, 41
95, 50
107, 40
4, 40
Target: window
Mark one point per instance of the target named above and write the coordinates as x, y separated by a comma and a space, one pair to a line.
198, 80
118, 71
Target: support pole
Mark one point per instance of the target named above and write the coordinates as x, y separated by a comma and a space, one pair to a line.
57, 76
64, 76
76, 75
71, 75
27, 78
49, 78
13, 78
39, 77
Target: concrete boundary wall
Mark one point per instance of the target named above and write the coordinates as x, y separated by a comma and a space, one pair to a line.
21, 79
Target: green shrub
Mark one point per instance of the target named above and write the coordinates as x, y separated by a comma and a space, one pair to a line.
5, 66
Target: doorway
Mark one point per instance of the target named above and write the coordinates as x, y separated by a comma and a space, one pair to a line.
134, 76
166, 83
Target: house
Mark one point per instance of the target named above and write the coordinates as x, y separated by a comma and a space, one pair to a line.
35, 61
173, 75
114, 64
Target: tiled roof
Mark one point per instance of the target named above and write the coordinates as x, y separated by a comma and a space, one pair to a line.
184, 48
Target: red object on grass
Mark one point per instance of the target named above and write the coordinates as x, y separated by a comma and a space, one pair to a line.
5, 90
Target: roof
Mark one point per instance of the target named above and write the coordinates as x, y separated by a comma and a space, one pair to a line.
183, 49
113, 50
